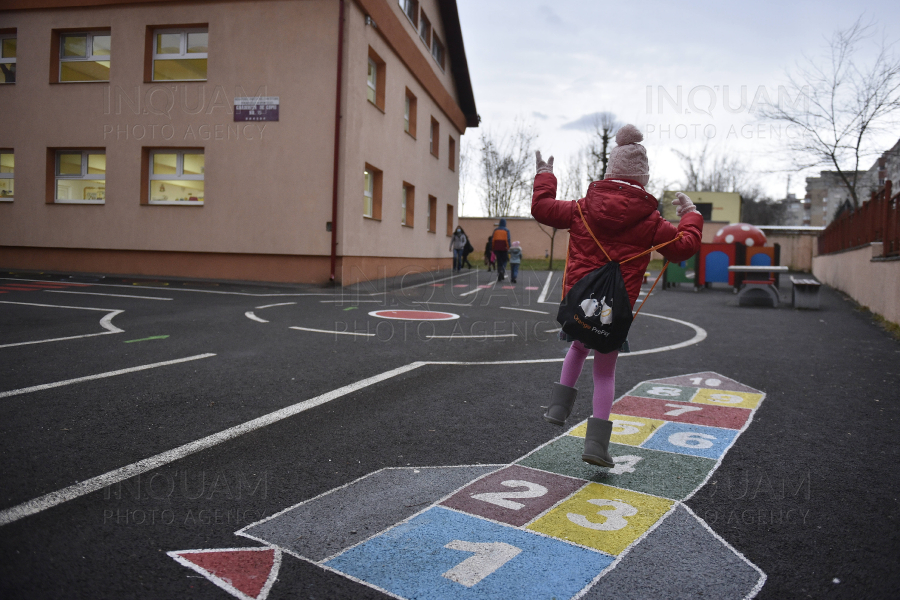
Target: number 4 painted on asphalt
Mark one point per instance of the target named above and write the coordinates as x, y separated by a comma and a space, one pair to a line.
680, 409
488, 558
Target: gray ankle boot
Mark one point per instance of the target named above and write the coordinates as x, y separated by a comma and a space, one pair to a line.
562, 399
596, 443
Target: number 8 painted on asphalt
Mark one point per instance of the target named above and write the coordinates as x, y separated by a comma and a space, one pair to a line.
615, 518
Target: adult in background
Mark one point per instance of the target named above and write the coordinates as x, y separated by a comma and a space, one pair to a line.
489, 258
469, 249
500, 243
515, 259
457, 245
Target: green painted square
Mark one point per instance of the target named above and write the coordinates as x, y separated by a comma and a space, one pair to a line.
663, 391
665, 474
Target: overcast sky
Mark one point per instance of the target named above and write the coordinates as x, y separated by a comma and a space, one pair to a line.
555, 63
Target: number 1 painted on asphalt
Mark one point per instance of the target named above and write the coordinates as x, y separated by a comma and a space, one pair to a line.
488, 558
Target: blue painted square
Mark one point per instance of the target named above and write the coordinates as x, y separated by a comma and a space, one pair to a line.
413, 560
693, 440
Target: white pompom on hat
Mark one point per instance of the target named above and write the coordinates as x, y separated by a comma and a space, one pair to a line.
628, 160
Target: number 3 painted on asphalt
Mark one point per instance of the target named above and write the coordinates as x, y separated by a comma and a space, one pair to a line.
615, 518
502, 498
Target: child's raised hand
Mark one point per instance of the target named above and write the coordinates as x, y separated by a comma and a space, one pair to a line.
683, 204
543, 167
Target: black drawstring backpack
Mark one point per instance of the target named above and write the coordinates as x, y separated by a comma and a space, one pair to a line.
597, 310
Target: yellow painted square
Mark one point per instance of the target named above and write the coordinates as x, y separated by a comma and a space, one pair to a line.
603, 517
732, 399
628, 430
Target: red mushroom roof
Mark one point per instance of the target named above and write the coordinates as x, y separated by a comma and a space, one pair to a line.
740, 233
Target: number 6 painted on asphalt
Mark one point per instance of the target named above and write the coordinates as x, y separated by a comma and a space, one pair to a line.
615, 518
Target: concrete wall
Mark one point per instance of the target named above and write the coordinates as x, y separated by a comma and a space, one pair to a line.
872, 283
535, 243
797, 249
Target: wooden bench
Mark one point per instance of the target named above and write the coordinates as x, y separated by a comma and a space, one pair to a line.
805, 293
761, 291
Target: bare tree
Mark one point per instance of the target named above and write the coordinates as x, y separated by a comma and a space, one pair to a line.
710, 171
465, 168
507, 165
845, 101
604, 130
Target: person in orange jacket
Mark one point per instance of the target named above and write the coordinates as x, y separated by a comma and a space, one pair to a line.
625, 218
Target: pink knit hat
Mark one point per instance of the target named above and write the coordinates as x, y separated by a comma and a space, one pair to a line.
628, 160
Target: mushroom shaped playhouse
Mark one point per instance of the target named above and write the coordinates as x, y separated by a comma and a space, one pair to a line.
740, 233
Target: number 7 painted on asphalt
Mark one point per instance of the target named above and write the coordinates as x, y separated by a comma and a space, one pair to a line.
488, 558
680, 409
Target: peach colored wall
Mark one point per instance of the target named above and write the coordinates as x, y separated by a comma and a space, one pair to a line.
378, 138
268, 185
797, 250
874, 284
524, 229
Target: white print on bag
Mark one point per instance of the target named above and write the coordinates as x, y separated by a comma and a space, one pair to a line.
591, 307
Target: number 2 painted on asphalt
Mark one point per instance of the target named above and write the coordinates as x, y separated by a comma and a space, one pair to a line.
680, 409
503, 498
488, 558
615, 518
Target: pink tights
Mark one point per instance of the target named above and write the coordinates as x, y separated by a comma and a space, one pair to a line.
604, 376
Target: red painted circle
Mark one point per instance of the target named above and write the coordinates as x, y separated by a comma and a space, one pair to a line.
414, 315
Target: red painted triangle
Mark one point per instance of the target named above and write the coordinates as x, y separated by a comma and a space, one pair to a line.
245, 572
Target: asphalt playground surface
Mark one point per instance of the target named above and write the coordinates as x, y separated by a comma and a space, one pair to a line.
140, 418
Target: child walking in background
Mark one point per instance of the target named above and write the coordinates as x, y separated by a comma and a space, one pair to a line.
515, 259
489, 258
624, 218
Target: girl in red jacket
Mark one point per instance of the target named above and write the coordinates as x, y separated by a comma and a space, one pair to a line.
624, 218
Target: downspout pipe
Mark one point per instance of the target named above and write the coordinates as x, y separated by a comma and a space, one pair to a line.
337, 142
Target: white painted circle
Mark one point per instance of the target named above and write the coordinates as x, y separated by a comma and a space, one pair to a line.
719, 232
729, 238
745, 228
414, 315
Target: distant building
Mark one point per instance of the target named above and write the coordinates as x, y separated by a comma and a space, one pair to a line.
719, 207
797, 211
231, 139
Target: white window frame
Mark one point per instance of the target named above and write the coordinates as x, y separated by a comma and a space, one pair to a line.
179, 175
368, 194
182, 54
9, 176
370, 84
411, 6
404, 198
436, 46
89, 50
9, 61
84, 176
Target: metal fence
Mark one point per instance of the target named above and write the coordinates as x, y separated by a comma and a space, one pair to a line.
878, 219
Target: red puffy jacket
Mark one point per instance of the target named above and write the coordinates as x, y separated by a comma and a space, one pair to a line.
626, 221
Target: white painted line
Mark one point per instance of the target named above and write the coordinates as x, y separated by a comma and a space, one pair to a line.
174, 289
62, 339
699, 336
274, 305
557, 330
55, 306
105, 323
348, 301
249, 314
48, 386
332, 331
462, 337
478, 289
94, 484
442, 303
540, 312
110, 295
543, 296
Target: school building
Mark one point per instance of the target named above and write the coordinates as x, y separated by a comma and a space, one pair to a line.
330, 129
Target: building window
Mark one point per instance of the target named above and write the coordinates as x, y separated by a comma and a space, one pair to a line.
409, 113
372, 192
425, 30
432, 214
408, 205
180, 54
8, 58
7, 174
375, 80
84, 56
434, 137
80, 177
449, 219
177, 177
437, 51
411, 9
451, 154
